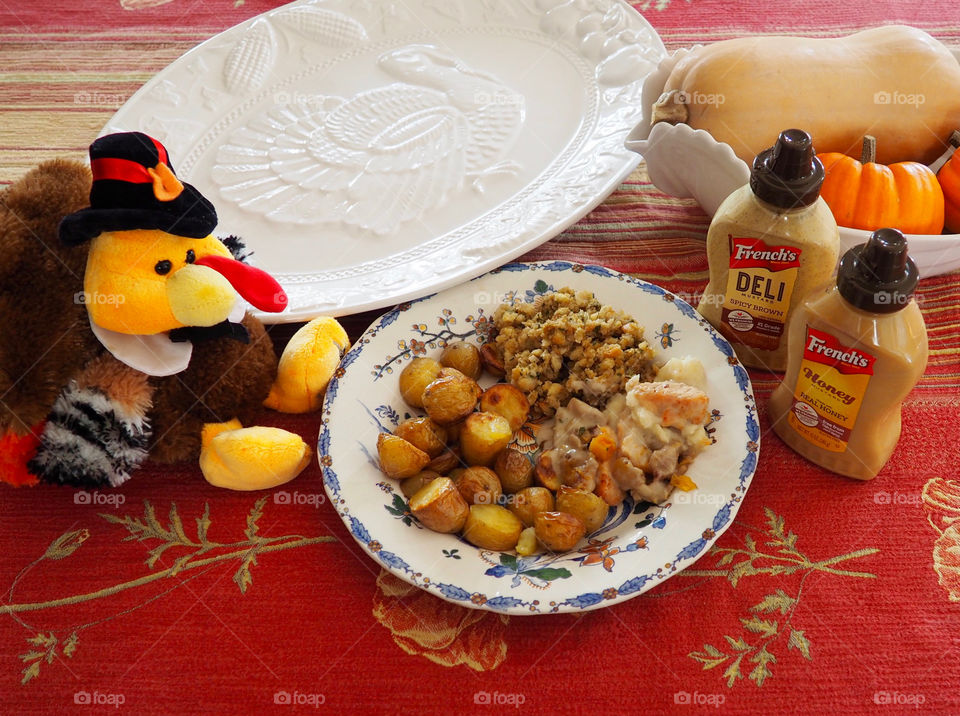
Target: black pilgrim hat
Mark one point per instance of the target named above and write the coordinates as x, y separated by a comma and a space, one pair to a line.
134, 187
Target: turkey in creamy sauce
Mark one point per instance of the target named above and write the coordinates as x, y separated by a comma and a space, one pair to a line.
659, 428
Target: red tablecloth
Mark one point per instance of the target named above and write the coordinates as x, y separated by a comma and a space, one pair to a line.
825, 595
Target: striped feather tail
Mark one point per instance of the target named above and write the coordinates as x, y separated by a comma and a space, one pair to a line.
97, 432
87, 442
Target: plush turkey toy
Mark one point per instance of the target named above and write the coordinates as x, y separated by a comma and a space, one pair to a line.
122, 334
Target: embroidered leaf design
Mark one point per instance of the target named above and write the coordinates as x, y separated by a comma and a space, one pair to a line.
203, 524
154, 554
761, 671
710, 657
727, 558
70, 645
741, 569
30, 672
35, 658
772, 602
256, 512
784, 559
785, 540
797, 640
66, 544
733, 672
176, 526
242, 576
739, 644
759, 626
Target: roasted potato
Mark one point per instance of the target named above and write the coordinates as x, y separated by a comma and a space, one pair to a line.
506, 400
514, 470
424, 434
491, 360
410, 485
463, 356
440, 506
530, 501
528, 544
479, 486
399, 458
591, 510
414, 379
558, 531
483, 436
545, 473
492, 527
451, 397
446, 461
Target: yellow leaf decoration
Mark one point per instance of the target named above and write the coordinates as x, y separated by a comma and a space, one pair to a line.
444, 633
778, 555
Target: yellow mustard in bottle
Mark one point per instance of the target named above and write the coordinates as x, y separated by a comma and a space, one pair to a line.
857, 349
770, 244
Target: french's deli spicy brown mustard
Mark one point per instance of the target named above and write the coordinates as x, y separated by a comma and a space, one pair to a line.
857, 348
771, 243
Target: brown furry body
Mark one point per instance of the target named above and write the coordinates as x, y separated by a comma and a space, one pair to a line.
45, 337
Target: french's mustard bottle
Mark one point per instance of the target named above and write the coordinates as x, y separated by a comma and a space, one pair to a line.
857, 349
769, 245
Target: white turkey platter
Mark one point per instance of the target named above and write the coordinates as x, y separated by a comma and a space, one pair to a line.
371, 151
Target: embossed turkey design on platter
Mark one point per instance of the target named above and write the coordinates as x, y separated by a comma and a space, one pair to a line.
380, 158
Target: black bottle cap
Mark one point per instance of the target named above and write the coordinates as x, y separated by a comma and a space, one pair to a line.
878, 276
788, 174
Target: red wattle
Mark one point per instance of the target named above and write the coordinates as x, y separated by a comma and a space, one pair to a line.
258, 287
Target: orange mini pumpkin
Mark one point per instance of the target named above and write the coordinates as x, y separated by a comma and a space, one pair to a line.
867, 195
949, 178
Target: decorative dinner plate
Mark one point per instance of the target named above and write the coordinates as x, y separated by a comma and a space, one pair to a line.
639, 545
371, 151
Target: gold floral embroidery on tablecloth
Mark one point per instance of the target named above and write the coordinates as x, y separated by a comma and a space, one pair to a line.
768, 624
180, 550
446, 634
941, 501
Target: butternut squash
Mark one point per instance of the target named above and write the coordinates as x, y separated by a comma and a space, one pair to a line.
895, 82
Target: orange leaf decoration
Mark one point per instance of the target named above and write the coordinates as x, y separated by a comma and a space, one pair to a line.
444, 633
946, 560
867, 195
941, 502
